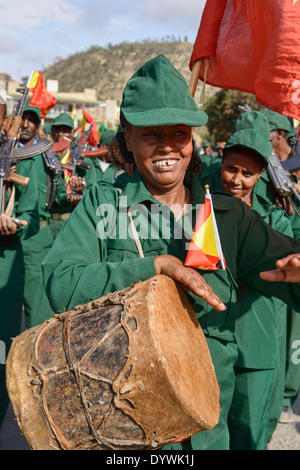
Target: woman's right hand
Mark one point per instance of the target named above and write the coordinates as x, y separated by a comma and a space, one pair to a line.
189, 279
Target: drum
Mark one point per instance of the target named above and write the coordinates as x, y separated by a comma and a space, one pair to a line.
130, 370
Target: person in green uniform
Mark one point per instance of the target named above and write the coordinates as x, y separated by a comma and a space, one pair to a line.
19, 225
261, 323
63, 128
280, 127
102, 168
158, 115
36, 304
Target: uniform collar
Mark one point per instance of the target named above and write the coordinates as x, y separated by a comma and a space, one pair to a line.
136, 192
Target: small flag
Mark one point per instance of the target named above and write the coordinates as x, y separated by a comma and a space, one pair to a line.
33, 79
93, 137
41, 98
205, 251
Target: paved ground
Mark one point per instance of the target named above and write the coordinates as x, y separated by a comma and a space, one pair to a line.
286, 437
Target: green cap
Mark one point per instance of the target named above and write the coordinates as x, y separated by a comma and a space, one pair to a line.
107, 137
277, 121
33, 109
251, 139
64, 119
206, 143
253, 120
157, 95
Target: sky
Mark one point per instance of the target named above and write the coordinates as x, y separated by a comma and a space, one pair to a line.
35, 33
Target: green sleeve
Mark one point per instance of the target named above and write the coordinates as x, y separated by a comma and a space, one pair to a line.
259, 247
77, 269
26, 201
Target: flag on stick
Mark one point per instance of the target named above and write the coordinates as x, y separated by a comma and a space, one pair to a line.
41, 98
252, 46
88, 119
205, 251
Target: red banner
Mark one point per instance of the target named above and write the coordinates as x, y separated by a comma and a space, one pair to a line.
253, 46
41, 98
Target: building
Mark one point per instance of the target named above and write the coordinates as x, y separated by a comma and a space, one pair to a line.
106, 112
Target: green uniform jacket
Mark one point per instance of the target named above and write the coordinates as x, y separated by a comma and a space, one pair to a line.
82, 265
96, 173
258, 315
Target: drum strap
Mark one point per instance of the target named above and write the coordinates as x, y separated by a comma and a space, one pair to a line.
134, 231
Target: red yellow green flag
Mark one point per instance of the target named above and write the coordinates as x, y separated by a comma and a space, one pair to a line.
41, 98
205, 251
88, 119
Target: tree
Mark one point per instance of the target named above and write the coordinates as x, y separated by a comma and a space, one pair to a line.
222, 109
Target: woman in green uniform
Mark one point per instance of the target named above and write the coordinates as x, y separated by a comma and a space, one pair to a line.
96, 254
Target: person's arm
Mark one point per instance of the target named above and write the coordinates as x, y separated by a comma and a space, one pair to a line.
259, 248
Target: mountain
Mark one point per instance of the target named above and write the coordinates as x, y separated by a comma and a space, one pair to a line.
107, 69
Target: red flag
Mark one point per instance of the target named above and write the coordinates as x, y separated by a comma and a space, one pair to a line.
93, 137
253, 46
41, 97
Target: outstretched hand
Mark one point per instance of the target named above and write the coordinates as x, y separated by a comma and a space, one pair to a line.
189, 279
288, 270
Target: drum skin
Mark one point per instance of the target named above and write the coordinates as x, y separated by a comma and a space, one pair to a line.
129, 371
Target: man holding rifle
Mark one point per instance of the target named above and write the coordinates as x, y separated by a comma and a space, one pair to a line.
18, 221
49, 189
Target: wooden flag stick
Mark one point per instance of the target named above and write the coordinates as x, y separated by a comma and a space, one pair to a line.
195, 76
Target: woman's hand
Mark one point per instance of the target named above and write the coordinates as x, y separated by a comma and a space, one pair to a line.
9, 226
288, 270
189, 279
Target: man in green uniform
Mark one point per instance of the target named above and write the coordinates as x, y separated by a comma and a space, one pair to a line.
36, 304
21, 224
102, 169
157, 119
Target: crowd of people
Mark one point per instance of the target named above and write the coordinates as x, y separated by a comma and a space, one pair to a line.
53, 256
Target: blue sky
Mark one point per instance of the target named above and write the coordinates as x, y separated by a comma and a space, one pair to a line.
34, 33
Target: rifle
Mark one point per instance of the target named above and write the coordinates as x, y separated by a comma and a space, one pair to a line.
9, 155
282, 181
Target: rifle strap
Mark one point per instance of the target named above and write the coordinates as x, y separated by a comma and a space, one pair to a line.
11, 191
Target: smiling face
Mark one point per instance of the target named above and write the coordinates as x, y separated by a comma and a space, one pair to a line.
162, 154
240, 172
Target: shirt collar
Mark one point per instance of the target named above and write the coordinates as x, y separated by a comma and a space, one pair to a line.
136, 192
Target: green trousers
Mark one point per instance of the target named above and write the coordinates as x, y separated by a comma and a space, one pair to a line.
11, 299
292, 372
277, 396
36, 304
248, 418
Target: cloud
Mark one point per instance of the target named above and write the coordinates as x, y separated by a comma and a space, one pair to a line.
36, 12
187, 12
10, 44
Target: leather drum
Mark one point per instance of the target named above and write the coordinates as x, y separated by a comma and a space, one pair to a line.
129, 371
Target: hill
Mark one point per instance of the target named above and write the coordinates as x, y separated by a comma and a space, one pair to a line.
107, 69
